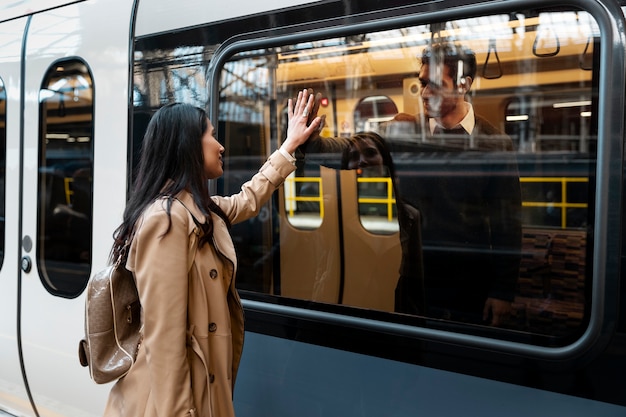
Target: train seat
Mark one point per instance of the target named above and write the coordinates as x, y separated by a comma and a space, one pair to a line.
551, 287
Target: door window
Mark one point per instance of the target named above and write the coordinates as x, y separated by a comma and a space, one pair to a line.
65, 177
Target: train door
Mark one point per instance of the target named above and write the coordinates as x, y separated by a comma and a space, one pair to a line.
310, 250
73, 189
339, 253
371, 242
14, 398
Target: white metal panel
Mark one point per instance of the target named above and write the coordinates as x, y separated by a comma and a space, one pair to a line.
98, 33
13, 397
13, 9
154, 16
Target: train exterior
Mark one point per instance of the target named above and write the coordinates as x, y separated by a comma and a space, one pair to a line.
319, 267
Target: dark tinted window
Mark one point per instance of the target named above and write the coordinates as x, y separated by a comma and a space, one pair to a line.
454, 220
65, 177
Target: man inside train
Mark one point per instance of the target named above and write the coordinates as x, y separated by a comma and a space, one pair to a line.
468, 194
470, 200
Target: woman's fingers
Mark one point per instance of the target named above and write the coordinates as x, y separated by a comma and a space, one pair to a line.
303, 104
302, 118
302, 123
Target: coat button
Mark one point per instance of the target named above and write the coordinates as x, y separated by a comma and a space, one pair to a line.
211, 378
212, 327
213, 273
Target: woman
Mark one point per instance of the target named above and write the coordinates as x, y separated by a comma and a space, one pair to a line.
184, 263
368, 150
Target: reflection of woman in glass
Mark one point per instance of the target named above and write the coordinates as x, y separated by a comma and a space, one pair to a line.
368, 150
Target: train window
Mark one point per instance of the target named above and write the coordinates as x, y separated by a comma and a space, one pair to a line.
304, 199
484, 133
375, 184
65, 177
171, 75
376, 197
165, 75
373, 110
3, 160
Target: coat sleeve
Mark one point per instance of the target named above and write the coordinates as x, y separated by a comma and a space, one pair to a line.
161, 261
325, 151
254, 193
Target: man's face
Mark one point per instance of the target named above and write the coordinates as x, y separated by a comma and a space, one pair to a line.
440, 97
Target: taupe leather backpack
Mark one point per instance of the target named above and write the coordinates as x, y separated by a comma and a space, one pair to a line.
113, 326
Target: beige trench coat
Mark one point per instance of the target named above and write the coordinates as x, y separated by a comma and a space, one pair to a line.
192, 315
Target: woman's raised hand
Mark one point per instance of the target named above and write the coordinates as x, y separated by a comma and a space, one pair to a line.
299, 129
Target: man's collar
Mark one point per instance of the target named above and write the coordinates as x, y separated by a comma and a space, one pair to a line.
468, 123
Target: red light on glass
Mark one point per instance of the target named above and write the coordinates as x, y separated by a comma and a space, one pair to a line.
324, 102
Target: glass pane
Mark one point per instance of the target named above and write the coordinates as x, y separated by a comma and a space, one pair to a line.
243, 108
65, 177
370, 157
484, 173
3, 163
371, 111
163, 75
304, 200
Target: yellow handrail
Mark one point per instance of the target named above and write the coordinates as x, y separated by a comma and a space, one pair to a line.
389, 200
289, 197
68, 190
563, 204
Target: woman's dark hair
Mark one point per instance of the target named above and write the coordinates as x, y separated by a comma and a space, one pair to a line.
171, 161
381, 145
385, 152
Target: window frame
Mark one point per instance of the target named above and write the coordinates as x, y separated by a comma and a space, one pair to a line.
83, 273
607, 205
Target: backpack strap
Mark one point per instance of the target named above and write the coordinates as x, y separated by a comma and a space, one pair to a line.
122, 257
196, 221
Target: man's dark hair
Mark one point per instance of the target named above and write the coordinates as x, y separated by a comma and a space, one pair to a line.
451, 54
